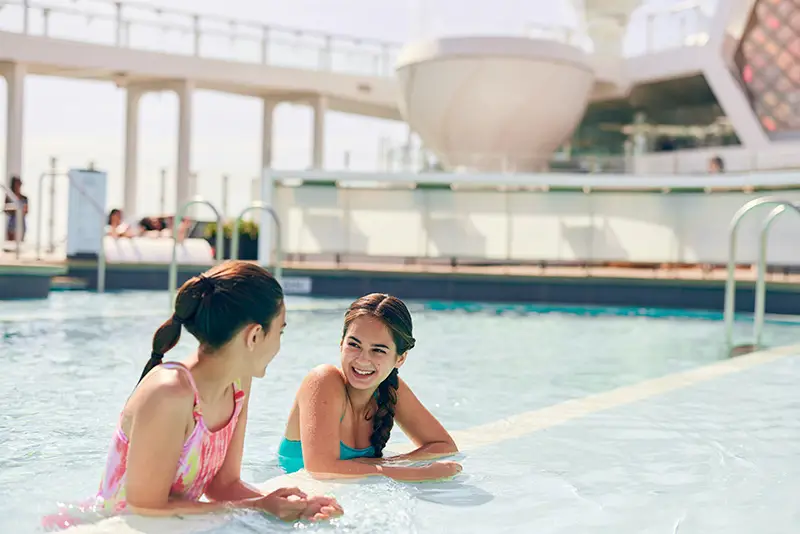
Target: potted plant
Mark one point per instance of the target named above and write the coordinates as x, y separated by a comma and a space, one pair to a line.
248, 238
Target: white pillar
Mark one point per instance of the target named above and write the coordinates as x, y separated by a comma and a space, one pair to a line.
185, 90
318, 152
15, 79
267, 132
266, 224
131, 185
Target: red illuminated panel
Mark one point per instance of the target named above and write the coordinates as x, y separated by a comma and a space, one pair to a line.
768, 63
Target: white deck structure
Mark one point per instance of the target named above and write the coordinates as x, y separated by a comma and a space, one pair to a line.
329, 72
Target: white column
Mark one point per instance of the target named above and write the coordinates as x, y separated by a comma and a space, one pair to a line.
266, 224
131, 185
185, 90
15, 79
318, 151
267, 132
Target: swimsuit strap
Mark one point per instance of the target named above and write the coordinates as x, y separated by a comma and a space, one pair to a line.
185, 370
344, 408
238, 396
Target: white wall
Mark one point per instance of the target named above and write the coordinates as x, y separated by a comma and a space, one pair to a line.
553, 226
737, 159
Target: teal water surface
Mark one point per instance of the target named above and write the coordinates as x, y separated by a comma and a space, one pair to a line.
68, 364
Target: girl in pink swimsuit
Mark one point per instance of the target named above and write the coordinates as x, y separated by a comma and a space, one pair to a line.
181, 433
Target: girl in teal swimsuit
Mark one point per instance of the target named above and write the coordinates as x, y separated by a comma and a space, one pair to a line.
342, 417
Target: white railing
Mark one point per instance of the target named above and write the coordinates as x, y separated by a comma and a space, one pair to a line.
689, 161
420, 159
137, 25
130, 24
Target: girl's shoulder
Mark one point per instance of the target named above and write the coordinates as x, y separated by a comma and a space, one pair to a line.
324, 378
163, 392
163, 386
326, 371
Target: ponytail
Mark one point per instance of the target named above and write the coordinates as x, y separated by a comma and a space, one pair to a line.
187, 304
165, 338
383, 420
217, 304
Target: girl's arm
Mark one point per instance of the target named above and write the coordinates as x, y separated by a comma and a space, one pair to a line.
320, 401
227, 485
156, 439
228, 488
424, 430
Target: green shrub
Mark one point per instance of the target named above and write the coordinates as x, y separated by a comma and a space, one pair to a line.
247, 229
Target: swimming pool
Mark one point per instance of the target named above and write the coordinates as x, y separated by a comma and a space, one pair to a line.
715, 455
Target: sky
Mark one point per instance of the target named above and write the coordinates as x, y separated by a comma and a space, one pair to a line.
83, 121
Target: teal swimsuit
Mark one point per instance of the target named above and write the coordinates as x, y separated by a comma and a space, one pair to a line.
290, 453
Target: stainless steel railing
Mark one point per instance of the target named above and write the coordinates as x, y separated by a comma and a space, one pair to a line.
257, 205
173, 266
761, 283
730, 283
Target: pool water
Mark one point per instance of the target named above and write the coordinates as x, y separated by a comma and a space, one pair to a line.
69, 363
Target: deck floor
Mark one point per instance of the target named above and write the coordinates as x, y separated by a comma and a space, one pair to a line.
744, 274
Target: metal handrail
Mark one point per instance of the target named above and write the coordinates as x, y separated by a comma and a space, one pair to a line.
258, 205
761, 284
18, 215
39, 214
730, 282
52, 173
173, 266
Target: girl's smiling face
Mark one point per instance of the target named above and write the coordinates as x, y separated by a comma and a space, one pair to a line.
368, 353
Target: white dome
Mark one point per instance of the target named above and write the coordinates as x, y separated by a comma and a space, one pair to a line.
494, 103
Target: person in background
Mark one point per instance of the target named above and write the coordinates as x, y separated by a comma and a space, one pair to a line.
342, 417
151, 226
11, 210
162, 226
117, 227
716, 165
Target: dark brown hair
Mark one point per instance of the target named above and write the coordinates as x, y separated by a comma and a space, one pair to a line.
392, 312
216, 305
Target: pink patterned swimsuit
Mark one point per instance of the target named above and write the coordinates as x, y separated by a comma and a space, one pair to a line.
201, 459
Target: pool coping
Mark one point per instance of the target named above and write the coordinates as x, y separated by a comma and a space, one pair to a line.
525, 423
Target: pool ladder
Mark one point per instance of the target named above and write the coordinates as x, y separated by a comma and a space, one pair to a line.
761, 286
219, 251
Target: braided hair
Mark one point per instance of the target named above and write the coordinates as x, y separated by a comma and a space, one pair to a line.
393, 313
214, 306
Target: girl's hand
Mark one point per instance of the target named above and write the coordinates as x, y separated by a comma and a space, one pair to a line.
319, 508
287, 504
291, 504
441, 470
